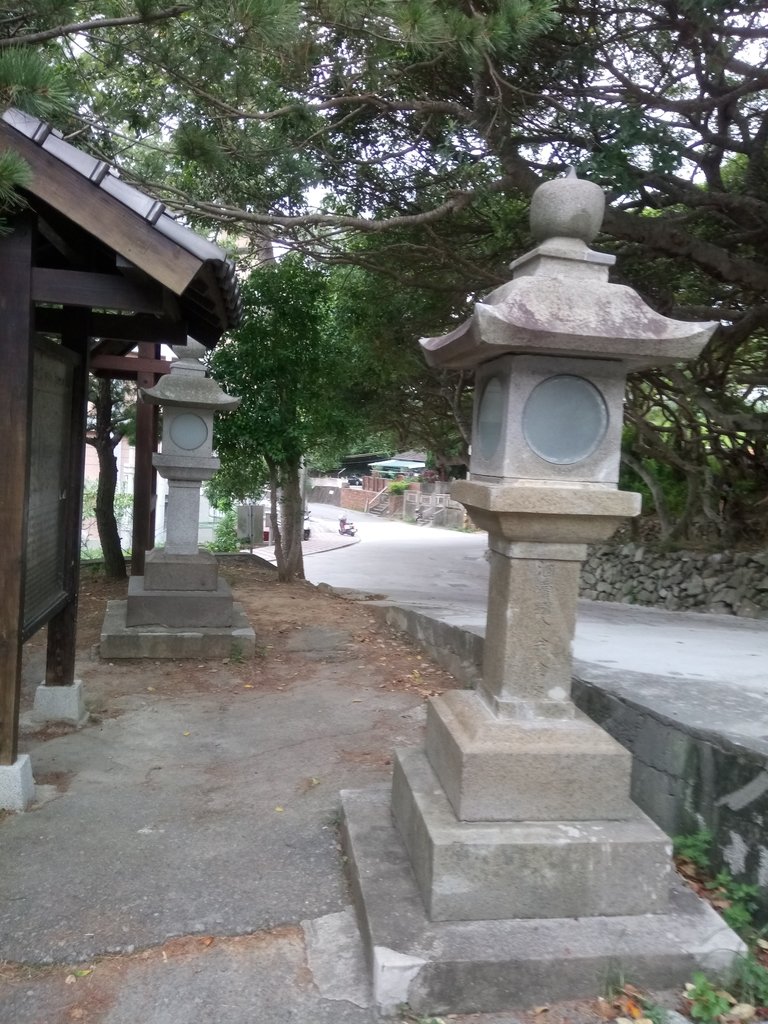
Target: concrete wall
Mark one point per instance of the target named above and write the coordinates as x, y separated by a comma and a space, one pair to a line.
687, 778
730, 583
684, 775
327, 494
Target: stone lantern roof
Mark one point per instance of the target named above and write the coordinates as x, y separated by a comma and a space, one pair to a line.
560, 301
187, 383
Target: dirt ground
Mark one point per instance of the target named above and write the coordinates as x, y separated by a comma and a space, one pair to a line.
299, 627
302, 631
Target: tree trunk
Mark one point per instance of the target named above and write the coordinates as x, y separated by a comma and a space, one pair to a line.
657, 492
105, 442
292, 507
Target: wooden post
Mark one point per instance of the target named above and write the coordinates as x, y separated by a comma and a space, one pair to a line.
16, 355
62, 628
144, 477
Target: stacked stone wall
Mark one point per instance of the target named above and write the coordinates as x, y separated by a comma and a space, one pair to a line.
728, 583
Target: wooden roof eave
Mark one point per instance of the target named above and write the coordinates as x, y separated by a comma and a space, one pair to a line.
74, 196
130, 223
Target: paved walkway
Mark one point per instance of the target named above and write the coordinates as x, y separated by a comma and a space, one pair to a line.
184, 815
324, 536
704, 670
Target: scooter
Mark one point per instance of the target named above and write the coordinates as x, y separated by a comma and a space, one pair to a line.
347, 528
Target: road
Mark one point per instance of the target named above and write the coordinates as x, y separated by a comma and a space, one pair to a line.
444, 573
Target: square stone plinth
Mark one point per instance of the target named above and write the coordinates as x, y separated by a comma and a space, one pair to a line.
495, 769
17, 787
165, 571
468, 871
118, 640
178, 609
60, 704
502, 965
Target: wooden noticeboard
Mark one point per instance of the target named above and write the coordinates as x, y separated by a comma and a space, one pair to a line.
44, 589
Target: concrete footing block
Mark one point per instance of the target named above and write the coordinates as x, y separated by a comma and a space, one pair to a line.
495, 769
163, 571
178, 609
119, 640
60, 704
493, 966
17, 787
525, 869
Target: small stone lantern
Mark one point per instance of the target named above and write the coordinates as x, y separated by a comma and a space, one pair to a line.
180, 587
515, 822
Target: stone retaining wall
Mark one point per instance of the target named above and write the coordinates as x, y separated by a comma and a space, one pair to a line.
687, 778
729, 583
684, 776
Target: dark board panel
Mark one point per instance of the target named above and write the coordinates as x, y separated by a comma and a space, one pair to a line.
49, 457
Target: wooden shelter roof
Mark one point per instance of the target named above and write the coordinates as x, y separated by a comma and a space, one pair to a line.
108, 247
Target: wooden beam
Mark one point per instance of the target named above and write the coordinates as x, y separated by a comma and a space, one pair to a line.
15, 429
117, 327
138, 328
103, 291
144, 476
62, 627
103, 216
128, 367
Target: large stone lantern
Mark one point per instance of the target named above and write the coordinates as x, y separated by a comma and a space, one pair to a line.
536, 872
180, 607
551, 351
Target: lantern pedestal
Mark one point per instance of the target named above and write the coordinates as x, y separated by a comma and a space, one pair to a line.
491, 965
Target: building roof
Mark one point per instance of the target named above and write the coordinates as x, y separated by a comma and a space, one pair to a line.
115, 228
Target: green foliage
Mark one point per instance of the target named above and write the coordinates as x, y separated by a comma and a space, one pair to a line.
123, 509
405, 121
28, 81
697, 848
707, 1003
741, 901
295, 376
736, 901
654, 1013
225, 532
398, 486
14, 174
748, 980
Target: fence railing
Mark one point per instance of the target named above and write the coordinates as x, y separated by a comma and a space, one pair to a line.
377, 502
426, 508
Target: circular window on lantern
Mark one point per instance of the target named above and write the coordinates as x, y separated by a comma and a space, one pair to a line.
565, 419
490, 416
188, 431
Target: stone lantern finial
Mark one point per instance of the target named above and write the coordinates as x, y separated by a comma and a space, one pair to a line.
569, 207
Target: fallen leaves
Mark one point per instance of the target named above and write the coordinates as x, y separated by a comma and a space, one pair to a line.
79, 972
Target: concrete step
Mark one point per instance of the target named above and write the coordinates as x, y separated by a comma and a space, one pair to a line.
497, 965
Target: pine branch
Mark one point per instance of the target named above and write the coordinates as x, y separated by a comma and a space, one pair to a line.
34, 38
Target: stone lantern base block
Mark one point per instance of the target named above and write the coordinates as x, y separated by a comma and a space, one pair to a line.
522, 869
178, 608
119, 640
500, 965
495, 769
165, 571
